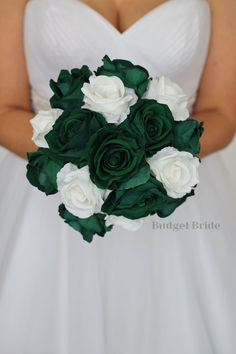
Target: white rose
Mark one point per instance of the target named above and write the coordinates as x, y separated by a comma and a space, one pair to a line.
79, 194
177, 170
42, 124
163, 90
127, 224
108, 96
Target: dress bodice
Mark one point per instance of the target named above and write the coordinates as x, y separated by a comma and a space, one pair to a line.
171, 40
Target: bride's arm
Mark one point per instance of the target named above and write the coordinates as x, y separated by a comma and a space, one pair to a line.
15, 111
216, 102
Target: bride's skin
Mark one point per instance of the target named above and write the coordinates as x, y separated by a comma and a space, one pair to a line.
215, 104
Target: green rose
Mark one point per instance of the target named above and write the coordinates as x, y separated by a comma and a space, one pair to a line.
141, 201
153, 121
187, 135
42, 169
133, 76
116, 159
67, 88
88, 227
71, 132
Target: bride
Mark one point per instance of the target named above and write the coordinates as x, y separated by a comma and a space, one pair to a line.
166, 288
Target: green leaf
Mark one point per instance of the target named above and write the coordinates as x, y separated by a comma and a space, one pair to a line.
171, 204
88, 227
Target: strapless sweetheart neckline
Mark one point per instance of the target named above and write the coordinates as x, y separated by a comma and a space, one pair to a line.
146, 16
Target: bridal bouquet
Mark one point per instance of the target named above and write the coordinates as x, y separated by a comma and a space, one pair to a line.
117, 145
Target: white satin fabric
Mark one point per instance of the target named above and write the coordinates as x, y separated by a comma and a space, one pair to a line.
154, 291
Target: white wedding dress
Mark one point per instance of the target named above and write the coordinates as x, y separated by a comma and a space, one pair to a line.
154, 291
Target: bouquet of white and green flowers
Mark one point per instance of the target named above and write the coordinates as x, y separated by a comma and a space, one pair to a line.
117, 145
